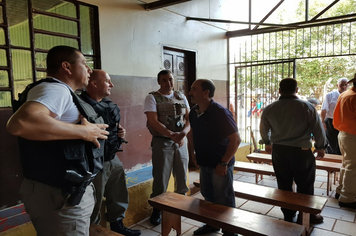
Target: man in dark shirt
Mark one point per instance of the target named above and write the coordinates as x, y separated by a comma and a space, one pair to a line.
111, 181
216, 140
291, 122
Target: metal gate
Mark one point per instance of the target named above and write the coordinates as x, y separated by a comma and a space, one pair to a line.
256, 86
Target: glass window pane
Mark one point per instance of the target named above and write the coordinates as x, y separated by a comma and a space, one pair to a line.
5, 99
55, 24
87, 31
1, 16
4, 78
18, 21
59, 7
40, 75
3, 61
90, 62
47, 41
41, 60
22, 70
2, 36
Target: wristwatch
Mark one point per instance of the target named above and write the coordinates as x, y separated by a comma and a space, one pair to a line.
223, 163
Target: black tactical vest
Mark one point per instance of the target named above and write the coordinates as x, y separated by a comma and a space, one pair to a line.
49, 161
111, 115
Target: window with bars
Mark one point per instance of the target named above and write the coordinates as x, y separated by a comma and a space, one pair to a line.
29, 28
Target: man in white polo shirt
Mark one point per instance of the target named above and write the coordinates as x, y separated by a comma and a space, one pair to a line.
327, 112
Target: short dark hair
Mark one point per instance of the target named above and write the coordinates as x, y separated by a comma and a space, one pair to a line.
288, 86
59, 54
163, 72
208, 85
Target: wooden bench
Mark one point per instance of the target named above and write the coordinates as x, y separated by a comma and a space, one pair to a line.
331, 167
174, 205
332, 158
97, 230
305, 204
266, 158
258, 169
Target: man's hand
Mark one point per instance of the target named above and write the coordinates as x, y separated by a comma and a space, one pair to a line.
221, 170
324, 125
268, 149
121, 132
320, 153
94, 132
178, 137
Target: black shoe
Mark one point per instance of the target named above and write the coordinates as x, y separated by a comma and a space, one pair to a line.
229, 234
155, 218
205, 230
337, 195
348, 205
119, 227
316, 219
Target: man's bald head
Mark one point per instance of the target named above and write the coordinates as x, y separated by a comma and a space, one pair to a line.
99, 85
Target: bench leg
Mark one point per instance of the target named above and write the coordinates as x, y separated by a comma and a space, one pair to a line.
328, 185
169, 221
305, 221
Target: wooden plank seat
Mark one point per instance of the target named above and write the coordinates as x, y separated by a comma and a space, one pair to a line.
331, 167
174, 205
266, 158
305, 204
258, 169
97, 230
332, 158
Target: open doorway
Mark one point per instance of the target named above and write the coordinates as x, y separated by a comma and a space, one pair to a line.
182, 63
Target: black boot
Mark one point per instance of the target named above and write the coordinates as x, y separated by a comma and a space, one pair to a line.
155, 218
119, 227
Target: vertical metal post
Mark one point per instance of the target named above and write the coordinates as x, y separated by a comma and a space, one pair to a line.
32, 41
306, 10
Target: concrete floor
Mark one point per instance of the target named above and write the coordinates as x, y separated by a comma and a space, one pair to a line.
337, 220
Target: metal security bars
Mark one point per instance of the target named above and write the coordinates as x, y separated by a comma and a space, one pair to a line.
259, 61
29, 28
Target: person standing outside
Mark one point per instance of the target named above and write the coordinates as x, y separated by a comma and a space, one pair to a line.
327, 112
111, 181
167, 114
291, 121
216, 139
345, 122
51, 137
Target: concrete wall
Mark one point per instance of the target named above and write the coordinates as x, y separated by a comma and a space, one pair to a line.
132, 41
132, 38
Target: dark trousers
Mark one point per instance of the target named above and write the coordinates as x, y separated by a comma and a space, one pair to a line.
331, 135
293, 164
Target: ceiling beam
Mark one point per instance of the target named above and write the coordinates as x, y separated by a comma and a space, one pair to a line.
299, 25
236, 22
269, 13
163, 3
323, 11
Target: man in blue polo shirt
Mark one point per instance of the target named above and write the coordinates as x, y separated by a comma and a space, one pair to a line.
216, 140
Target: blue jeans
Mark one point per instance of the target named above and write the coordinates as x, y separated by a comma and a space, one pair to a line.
215, 188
